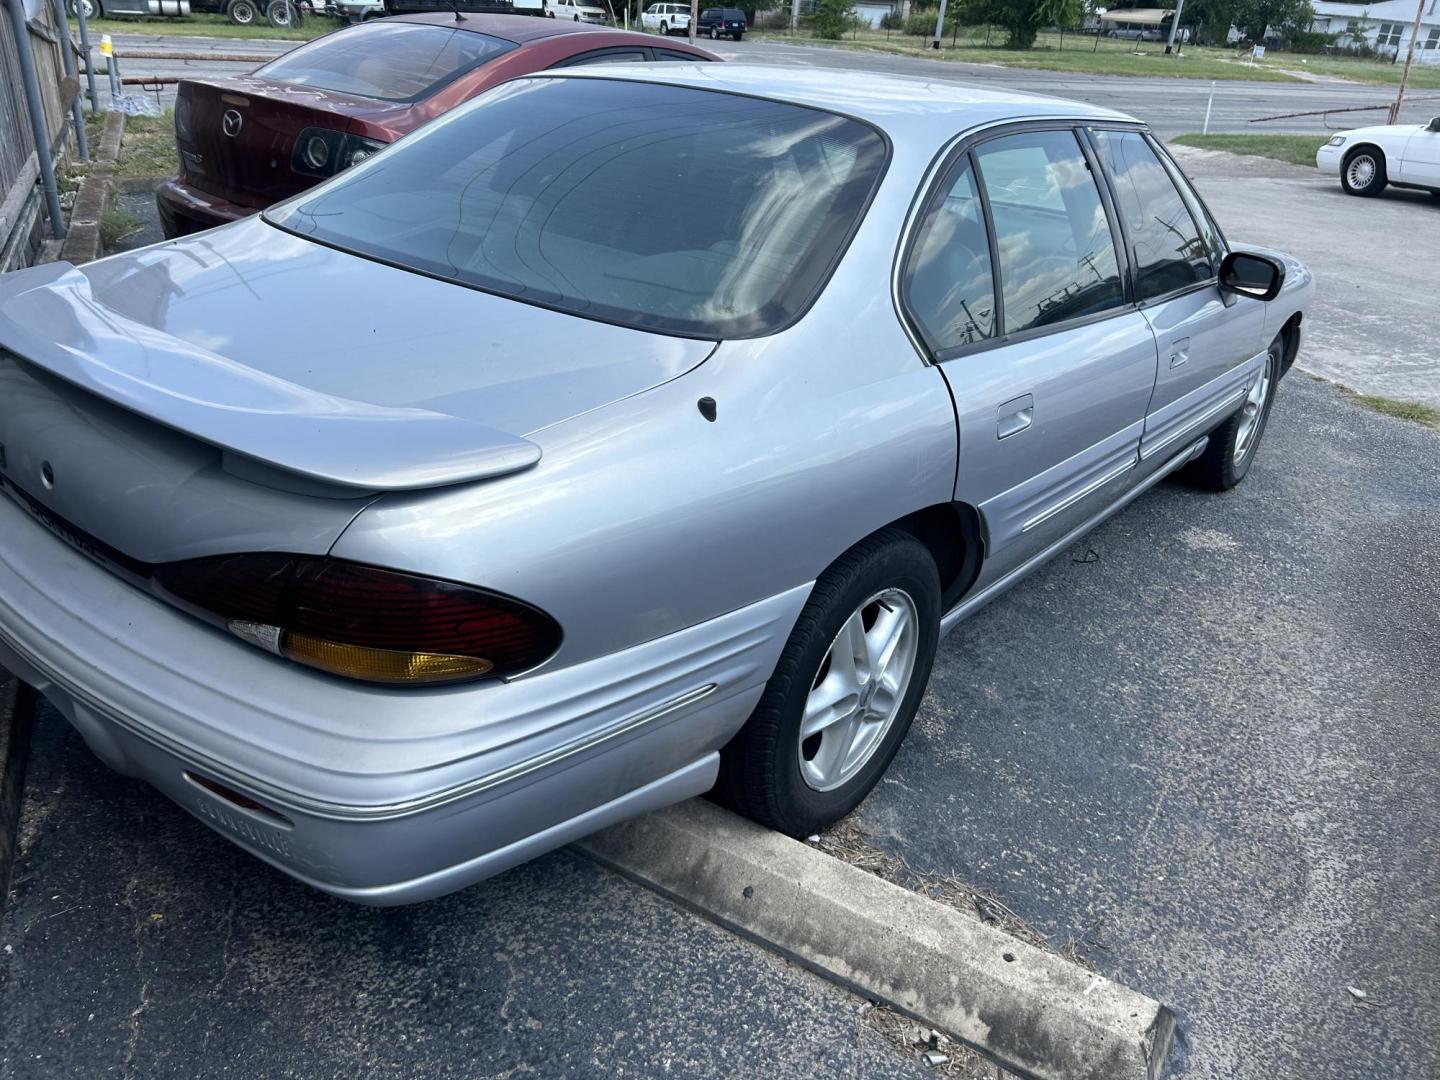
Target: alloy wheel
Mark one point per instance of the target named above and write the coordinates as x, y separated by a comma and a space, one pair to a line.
1253, 412
859, 689
1361, 171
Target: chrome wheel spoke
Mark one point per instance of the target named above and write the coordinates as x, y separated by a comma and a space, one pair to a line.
832, 701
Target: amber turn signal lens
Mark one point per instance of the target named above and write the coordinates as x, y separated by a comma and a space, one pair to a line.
381, 665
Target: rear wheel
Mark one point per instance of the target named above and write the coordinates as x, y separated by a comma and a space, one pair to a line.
242, 12
737, 37
714, 34
844, 693
282, 14
1233, 445
664, 30
91, 8
1363, 172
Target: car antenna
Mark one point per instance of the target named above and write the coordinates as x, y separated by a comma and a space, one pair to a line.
458, 17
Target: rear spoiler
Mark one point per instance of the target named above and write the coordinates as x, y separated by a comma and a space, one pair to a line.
49, 318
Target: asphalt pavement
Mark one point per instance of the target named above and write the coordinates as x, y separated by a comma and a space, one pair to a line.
1204, 743
138, 943
1170, 106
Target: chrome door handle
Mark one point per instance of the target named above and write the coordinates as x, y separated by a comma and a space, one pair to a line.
1015, 416
1179, 352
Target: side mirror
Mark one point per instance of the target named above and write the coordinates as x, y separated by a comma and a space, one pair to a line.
1246, 274
1434, 124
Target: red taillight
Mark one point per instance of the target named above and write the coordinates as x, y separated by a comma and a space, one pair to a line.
362, 622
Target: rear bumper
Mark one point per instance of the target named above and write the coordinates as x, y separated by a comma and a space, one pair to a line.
185, 209
375, 795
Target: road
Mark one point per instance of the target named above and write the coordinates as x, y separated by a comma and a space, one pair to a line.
1170, 106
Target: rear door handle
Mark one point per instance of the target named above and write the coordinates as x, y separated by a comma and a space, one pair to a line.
1015, 416
1179, 352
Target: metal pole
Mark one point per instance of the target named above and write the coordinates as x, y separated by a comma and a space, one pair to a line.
1174, 25
939, 26
107, 50
67, 49
794, 15
37, 116
1409, 59
89, 59
1206, 129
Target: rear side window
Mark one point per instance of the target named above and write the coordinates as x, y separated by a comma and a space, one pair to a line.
1057, 254
661, 207
389, 61
1169, 251
949, 287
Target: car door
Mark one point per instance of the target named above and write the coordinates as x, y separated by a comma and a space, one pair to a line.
1015, 282
1420, 161
1211, 343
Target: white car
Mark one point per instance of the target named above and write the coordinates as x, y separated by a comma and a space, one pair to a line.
666, 18
569, 9
1366, 159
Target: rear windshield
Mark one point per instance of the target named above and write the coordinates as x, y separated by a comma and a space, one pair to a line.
690, 212
390, 61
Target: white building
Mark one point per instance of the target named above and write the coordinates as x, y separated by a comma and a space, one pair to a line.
1385, 26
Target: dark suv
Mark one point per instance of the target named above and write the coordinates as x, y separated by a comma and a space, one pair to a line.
717, 22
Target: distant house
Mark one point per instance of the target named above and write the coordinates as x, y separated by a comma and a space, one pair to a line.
1385, 26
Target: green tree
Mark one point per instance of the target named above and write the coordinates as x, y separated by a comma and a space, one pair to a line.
831, 18
1284, 17
1021, 20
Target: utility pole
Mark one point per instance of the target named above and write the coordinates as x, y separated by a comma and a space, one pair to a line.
794, 15
694, 18
939, 26
1174, 26
1409, 59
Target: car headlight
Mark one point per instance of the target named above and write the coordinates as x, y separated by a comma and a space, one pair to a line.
1338, 140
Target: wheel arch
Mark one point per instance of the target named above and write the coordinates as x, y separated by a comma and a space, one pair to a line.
952, 533
1290, 341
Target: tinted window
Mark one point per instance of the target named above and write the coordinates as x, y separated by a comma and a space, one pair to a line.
392, 61
949, 289
667, 54
684, 211
609, 56
1169, 253
1057, 257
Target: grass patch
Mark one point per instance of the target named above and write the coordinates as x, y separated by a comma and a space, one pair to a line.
147, 148
1052, 53
1295, 149
115, 225
1423, 76
210, 26
1415, 411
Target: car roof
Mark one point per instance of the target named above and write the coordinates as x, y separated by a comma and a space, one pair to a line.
894, 103
517, 28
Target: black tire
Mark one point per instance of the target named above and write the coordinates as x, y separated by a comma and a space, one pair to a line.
94, 9
714, 34
243, 12
1377, 181
760, 768
1220, 468
282, 14
737, 37
664, 30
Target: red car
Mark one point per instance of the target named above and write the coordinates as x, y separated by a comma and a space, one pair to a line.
249, 141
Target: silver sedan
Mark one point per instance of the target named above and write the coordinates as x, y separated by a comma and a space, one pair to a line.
627, 434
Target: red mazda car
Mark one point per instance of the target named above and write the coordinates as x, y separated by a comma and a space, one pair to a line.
249, 141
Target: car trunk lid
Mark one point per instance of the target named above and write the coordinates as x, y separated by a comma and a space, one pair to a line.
236, 136
175, 390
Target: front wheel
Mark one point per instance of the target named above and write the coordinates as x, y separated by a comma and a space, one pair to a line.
844, 693
91, 8
1363, 173
714, 34
664, 30
1228, 456
242, 12
282, 14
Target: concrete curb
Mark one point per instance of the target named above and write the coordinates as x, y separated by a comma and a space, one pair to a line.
82, 234
17, 712
1030, 1011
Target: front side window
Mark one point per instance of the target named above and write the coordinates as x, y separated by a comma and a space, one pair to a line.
392, 61
949, 287
1169, 252
1052, 236
683, 211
